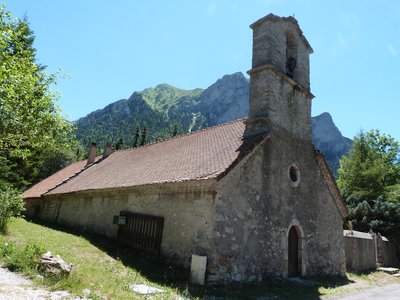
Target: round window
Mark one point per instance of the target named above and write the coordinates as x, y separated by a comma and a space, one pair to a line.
294, 175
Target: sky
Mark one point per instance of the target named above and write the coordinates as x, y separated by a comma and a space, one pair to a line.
109, 49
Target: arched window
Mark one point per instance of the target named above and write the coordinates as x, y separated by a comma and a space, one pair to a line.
291, 54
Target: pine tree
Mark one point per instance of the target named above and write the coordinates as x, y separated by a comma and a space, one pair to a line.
369, 179
175, 130
143, 138
119, 145
30, 122
136, 136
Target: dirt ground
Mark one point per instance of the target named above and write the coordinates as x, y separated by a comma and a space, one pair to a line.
14, 287
376, 285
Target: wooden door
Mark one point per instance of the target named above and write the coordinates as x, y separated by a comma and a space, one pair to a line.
142, 232
293, 253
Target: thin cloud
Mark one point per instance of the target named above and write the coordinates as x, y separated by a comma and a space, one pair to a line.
392, 50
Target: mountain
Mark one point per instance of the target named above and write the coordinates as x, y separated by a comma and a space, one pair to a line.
328, 139
164, 108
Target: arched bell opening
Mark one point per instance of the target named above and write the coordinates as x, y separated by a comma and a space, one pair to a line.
291, 54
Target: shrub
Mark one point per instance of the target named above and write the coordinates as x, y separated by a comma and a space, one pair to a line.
11, 205
24, 259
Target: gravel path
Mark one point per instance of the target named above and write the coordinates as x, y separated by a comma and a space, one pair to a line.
15, 287
387, 292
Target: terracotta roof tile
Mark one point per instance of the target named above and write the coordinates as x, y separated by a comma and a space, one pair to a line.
52, 181
203, 154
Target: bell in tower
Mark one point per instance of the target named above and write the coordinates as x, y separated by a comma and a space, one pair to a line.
280, 97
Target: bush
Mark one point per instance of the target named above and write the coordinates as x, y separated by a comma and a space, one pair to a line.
11, 205
23, 259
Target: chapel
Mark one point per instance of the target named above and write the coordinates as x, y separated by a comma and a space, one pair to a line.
251, 195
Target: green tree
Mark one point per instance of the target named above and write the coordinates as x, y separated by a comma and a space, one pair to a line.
136, 136
11, 205
369, 179
119, 145
143, 137
54, 159
372, 168
29, 119
175, 130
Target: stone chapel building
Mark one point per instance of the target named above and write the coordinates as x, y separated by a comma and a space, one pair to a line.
252, 195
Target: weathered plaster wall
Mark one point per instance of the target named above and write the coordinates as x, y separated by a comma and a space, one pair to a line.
187, 215
366, 251
386, 252
360, 251
256, 205
275, 99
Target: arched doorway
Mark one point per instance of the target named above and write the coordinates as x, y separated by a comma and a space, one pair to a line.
293, 252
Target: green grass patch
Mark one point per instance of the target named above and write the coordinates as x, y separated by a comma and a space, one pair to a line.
21, 259
99, 265
108, 270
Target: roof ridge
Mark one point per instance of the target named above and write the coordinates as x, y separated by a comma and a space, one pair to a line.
182, 135
200, 155
76, 173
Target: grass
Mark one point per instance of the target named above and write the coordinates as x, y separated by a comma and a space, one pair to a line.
99, 265
108, 270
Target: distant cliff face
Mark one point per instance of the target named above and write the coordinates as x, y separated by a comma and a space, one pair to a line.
164, 107
328, 139
225, 100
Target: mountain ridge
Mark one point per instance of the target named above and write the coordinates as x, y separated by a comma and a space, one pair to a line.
164, 109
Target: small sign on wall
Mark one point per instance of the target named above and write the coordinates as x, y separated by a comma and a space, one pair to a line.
119, 220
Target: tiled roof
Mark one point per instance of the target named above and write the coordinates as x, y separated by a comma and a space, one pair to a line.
52, 181
204, 154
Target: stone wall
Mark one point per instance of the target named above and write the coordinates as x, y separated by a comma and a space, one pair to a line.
366, 251
272, 36
280, 185
274, 98
256, 205
360, 251
386, 252
186, 208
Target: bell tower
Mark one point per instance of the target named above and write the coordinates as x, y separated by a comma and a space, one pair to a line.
280, 97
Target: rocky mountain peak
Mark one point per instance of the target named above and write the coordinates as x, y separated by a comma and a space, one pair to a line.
226, 99
329, 140
163, 107
325, 130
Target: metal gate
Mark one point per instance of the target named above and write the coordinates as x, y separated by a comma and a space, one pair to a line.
142, 232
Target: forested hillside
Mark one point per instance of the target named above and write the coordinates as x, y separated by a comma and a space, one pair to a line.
165, 110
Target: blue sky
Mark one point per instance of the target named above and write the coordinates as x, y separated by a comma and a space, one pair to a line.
109, 49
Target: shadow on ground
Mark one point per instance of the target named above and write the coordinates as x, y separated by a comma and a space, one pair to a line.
157, 269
